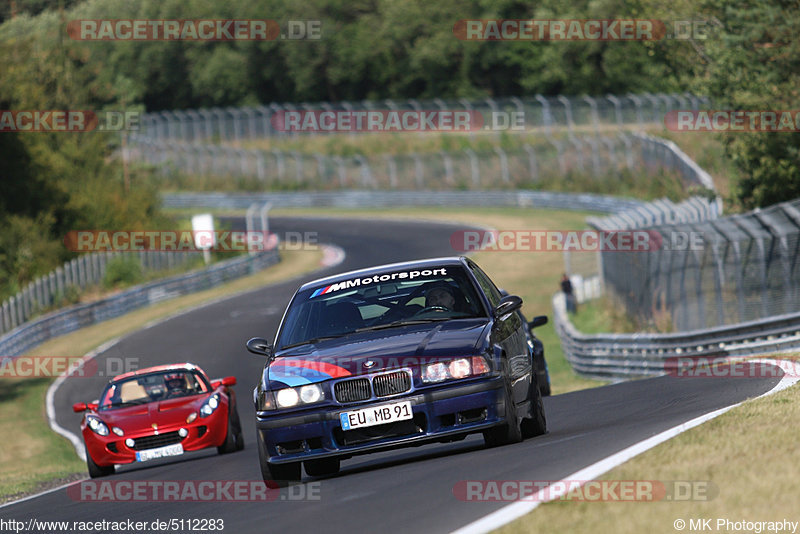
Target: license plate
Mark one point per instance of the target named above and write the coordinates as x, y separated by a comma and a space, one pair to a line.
161, 452
376, 415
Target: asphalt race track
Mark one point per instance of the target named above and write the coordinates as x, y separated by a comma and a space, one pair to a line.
410, 490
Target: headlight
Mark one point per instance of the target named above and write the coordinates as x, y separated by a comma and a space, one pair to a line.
310, 394
97, 426
210, 405
290, 397
455, 369
435, 372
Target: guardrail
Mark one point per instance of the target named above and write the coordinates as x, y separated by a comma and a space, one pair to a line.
79, 273
73, 318
383, 199
613, 356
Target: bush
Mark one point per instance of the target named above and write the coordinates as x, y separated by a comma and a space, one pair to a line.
122, 271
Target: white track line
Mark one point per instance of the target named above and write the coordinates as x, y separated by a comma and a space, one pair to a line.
518, 509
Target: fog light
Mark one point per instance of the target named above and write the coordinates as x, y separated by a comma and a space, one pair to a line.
130, 443
183, 432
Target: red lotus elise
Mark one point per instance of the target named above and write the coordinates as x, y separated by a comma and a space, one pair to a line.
159, 412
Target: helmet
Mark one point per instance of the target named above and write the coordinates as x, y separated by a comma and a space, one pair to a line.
175, 381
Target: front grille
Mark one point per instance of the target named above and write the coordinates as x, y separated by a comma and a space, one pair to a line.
152, 442
352, 390
391, 383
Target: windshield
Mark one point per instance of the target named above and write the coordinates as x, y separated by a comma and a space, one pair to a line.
153, 387
386, 300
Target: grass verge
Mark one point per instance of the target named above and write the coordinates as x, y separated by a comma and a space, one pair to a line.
32, 457
747, 458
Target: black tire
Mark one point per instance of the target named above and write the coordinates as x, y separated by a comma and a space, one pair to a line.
276, 476
229, 445
536, 424
540, 366
510, 432
323, 467
237, 425
234, 441
97, 471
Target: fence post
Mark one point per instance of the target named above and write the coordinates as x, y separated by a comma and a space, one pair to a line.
14, 312
279, 163
366, 173
503, 164
546, 116
391, 166
568, 111
595, 116
532, 162
6, 317
617, 108
419, 175
467, 104
473, 163
340, 170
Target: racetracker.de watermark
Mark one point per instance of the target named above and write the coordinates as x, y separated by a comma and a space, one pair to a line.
189, 491
70, 366
574, 241
192, 30
723, 367
68, 121
585, 490
733, 120
579, 29
392, 120
187, 240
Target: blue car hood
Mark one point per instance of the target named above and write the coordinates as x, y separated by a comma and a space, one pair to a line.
369, 352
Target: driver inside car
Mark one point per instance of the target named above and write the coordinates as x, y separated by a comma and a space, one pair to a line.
440, 296
176, 385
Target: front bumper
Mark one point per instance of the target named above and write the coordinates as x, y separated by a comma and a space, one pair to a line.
203, 433
446, 413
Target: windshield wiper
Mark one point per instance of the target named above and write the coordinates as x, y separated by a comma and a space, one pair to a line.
405, 322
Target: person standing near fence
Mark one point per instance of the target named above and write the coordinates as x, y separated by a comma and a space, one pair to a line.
569, 295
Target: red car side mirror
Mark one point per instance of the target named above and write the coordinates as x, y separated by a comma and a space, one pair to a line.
91, 406
79, 407
229, 381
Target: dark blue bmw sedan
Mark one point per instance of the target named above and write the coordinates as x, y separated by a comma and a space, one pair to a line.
393, 356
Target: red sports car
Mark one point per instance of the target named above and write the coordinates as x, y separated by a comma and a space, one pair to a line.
156, 413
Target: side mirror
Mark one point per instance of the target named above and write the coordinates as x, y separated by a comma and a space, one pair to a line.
79, 407
260, 346
539, 320
93, 405
229, 381
507, 305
